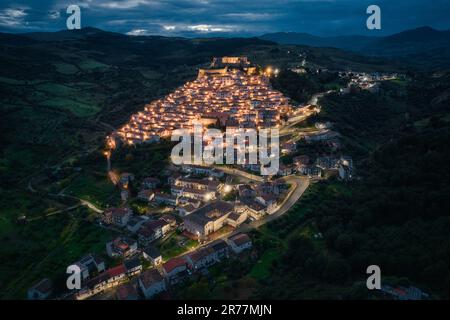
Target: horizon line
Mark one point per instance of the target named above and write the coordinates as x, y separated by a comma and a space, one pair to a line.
225, 35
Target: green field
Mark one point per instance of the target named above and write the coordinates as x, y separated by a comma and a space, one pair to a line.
261, 270
44, 248
171, 247
77, 108
93, 188
66, 68
90, 64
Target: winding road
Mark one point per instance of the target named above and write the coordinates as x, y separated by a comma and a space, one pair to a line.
299, 186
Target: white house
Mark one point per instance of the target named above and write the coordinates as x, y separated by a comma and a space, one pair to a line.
201, 258
240, 242
151, 283
151, 254
174, 269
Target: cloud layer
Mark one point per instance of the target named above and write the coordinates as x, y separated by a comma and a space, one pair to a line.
197, 18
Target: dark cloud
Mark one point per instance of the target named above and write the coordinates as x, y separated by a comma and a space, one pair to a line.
225, 17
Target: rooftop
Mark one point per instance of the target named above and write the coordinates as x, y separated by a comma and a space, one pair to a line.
210, 212
127, 291
200, 254
218, 245
228, 90
240, 239
174, 263
115, 271
132, 263
43, 286
152, 252
150, 277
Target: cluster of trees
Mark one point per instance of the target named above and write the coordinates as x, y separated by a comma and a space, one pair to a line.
396, 215
301, 87
142, 160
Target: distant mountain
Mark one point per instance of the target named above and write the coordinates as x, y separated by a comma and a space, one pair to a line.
410, 42
68, 34
353, 43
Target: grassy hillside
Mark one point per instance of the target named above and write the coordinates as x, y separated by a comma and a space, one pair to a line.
62, 93
395, 215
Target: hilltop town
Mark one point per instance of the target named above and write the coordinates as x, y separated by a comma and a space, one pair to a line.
232, 93
206, 211
198, 216
343, 196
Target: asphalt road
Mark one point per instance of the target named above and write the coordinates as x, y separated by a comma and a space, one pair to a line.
299, 183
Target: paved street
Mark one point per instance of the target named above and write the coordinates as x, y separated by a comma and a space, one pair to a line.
299, 185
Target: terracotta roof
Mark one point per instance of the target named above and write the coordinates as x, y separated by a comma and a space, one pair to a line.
174, 263
113, 272
200, 254
119, 211
269, 197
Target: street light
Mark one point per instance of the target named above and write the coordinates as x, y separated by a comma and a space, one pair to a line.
227, 188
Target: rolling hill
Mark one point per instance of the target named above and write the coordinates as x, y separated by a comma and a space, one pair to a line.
418, 46
62, 93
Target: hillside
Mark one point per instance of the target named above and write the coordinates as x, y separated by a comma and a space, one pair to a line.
394, 215
62, 93
410, 44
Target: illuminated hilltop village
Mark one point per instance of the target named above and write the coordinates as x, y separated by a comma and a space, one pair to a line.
231, 93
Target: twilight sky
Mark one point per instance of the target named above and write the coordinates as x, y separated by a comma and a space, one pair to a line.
205, 18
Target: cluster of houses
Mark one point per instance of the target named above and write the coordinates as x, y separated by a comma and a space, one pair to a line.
365, 81
257, 201
186, 188
150, 282
143, 227
156, 280
303, 165
404, 293
343, 166
195, 196
125, 179
230, 94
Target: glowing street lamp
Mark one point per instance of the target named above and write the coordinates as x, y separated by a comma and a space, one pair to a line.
227, 188
208, 197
